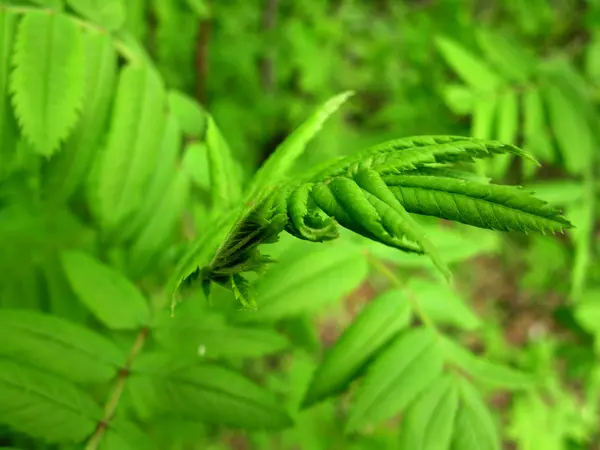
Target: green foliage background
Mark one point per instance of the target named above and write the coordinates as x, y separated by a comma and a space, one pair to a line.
128, 126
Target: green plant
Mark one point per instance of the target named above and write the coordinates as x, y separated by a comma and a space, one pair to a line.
120, 194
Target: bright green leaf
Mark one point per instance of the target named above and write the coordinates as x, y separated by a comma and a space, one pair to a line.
508, 56
58, 345
108, 13
429, 422
189, 113
404, 370
376, 324
48, 80
45, 406
111, 297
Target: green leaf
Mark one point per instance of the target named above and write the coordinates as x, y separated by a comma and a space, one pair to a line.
474, 428
473, 71
429, 422
485, 371
224, 171
535, 128
200, 331
132, 148
460, 99
508, 56
306, 278
195, 163
45, 406
113, 299
160, 227
200, 7
108, 13
557, 192
9, 130
482, 205
508, 129
68, 169
404, 370
587, 311
220, 396
376, 324
571, 130
48, 80
59, 346
188, 112
442, 304
287, 153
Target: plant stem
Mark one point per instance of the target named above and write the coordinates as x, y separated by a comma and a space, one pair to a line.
113, 401
397, 282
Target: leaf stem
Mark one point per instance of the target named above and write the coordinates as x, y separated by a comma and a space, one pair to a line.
397, 282
113, 401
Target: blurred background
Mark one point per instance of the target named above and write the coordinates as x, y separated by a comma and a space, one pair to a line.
525, 72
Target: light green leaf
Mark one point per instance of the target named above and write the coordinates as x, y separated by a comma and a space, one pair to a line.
508, 129
557, 192
58, 345
288, 152
189, 113
473, 71
163, 223
195, 163
583, 215
108, 13
200, 7
571, 130
587, 311
404, 370
48, 80
485, 111
485, 371
224, 170
9, 130
460, 99
442, 304
113, 299
68, 169
56, 5
482, 205
429, 422
474, 427
508, 56
306, 278
45, 406
220, 396
376, 324
200, 331
535, 129
132, 147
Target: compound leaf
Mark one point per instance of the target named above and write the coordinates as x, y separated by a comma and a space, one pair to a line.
376, 324
48, 80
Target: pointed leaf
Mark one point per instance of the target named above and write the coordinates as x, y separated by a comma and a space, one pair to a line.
442, 305
45, 406
475, 428
220, 396
404, 370
113, 299
537, 139
48, 80
508, 129
59, 346
482, 205
108, 13
189, 113
508, 56
475, 72
224, 171
288, 152
376, 324
429, 422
